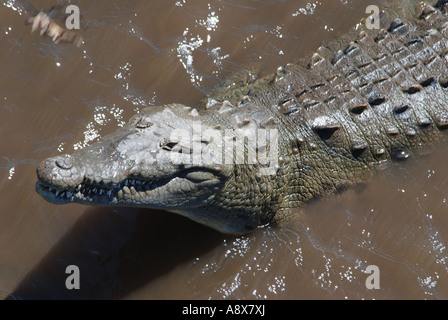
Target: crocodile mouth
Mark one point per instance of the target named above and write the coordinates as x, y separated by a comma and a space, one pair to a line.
132, 189
88, 191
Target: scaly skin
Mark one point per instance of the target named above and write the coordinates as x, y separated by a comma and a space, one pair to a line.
370, 97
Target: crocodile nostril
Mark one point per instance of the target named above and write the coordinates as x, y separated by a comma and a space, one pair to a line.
64, 162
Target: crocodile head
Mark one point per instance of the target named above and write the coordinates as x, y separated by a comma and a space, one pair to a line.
155, 161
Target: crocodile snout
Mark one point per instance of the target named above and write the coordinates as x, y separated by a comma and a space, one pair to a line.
61, 172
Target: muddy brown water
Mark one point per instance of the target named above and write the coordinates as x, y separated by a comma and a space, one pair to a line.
55, 99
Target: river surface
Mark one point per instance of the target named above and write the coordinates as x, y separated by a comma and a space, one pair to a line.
57, 99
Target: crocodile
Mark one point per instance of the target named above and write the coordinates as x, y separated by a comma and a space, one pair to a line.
255, 151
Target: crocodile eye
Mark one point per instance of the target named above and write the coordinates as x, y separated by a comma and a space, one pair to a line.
143, 123
167, 145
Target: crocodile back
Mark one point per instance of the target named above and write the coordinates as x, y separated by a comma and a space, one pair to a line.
374, 94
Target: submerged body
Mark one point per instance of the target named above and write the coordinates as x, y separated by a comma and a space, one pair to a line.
317, 126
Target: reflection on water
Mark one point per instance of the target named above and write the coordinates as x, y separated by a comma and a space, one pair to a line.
57, 99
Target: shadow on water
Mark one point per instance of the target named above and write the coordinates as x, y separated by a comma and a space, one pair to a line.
116, 253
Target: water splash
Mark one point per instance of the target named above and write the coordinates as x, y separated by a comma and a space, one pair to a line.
129, 93
309, 9
102, 116
185, 50
12, 4
11, 173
